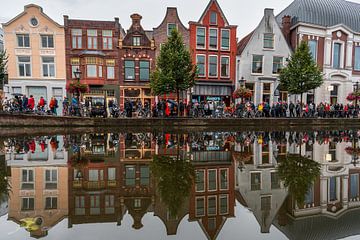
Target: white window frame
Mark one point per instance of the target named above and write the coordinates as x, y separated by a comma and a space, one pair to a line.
52, 208
205, 38
34, 177
227, 178
356, 47
94, 44
136, 41
261, 180
273, 47
96, 71
106, 39
217, 66
316, 49
204, 181
225, 49
216, 19
47, 41
217, 38
208, 180
167, 28
205, 210
18, 66
227, 198
342, 54
216, 205
228, 57
252, 61
203, 55
282, 64
51, 176
48, 66
107, 72
17, 41
21, 204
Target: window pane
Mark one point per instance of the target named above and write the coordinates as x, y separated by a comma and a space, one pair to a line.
223, 179
277, 64
171, 27
275, 180
107, 33
255, 181
213, 66
110, 72
111, 173
313, 49
225, 39
223, 204
213, 38
144, 175
200, 37
354, 185
213, 18
200, 60
144, 70
269, 40
225, 66
257, 64
266, 203
336, 55
91, 70
200, 184
129, 70
130, 176
212, 206
212, 180
200, 207
357, 59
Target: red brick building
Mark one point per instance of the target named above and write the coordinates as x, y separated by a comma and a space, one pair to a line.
213, 48
91, 47
137, 57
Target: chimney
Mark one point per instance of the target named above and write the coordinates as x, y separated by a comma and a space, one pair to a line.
268, 12
286, 24
136, 18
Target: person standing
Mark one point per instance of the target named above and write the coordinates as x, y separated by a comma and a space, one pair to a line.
41, 104
31, 103
25, 103
52, 105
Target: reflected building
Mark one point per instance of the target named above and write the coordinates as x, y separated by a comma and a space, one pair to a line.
212, 198
95, 180
38, 197
3, 192
258, 182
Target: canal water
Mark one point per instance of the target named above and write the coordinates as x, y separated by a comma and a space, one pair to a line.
198, 185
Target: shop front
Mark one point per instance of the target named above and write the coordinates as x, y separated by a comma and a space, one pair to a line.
214, 93
108, 92
136, 95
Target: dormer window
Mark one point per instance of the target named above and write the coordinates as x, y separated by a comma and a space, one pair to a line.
136, 41
213, 18
171, 27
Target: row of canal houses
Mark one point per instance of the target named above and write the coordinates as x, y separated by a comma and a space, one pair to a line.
110, 177
43, 55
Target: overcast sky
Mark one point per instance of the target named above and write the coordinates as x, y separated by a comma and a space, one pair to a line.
244, 13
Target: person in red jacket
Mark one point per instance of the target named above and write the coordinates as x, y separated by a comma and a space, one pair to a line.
31, 102
41, 104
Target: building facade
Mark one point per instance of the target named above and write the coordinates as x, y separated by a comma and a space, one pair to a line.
331, 29
1, 39
260, 58
36, 49
91, 47
213, 48
137, 55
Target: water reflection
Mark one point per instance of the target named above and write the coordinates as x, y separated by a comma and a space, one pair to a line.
288, 180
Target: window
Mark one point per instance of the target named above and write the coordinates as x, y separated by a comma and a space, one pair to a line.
93, 67
336, 55
129, 70
309, 197
255, 181
47, 41
277, 65
75, 65
144, 175
268, 40
48, 66
212, 180
354, 186
213, 18
50, 203
109, 204
224, 204
27, 204
107, 39
225, 64
51, 179
27, 179
200, 181
24, 66
111, 174
257, 64
137, 203
79, 205
213, 66
334, 95
144, 70
213, 38
225, 39
333, 189
23, 40
275, 180
136, 41
96, 175
129, 176
94, 205
92, 39
76, 38
313, 49
110, 69
266, 203
200, 207
200, 61
223, 179
212, 205
200, 37
170, 28
357, 59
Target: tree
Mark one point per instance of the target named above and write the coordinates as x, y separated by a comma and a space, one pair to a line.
298, 174
3, 70
174, 69
174, 177
301, 74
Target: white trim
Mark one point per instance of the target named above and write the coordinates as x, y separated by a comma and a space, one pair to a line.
208, 180
205, 72
356, 69
221, 33
217, 38
228, 57
262, 63
40, 40
342, 54
42, 65
217, 66
22, 180
261, 182
216, 203
167, 28
57, 176
227, 178
205, 38
227, 198
200, 215
17, 66
204, 178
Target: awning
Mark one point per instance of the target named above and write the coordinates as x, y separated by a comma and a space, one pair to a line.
213, 90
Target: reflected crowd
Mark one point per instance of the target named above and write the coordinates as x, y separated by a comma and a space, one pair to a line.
288, 180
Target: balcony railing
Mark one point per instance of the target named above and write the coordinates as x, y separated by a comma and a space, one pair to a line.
111, 183
77, 184
96, 184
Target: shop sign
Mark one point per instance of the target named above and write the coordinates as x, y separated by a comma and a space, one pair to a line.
213, 98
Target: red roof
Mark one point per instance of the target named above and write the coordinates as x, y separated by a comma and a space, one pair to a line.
243, 42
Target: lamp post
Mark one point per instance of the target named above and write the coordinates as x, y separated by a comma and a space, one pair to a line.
356, 89
242, 82
77, 75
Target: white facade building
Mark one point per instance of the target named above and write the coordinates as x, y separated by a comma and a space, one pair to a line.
260, 57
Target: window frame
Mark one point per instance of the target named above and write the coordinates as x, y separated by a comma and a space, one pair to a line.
228, 66
147, 68
225, 30
267, 39
251, 185
213, 13
51, 181
357, 58
204, 56
217, 38
46, 207
203, 181
24, 65
23, 35
47, 36
197, 36
92, 40
217, 66
167, 28
136, 41
339, 57
196, 206
281, 63
227, 178
107, 41
77, 37
133, 68
48, 66
227, 204
252, 65
27, 181
216, 207
28, 203
208, 180
316, 48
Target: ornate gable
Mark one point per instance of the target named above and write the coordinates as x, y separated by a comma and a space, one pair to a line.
136, 30
213, 5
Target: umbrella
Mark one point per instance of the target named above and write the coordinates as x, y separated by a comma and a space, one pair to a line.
17, 94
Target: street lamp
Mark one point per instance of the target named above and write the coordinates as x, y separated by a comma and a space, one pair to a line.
77, 74
242, 82
356, 89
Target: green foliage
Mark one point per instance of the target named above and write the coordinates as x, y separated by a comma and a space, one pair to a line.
174, 179
302, 73
298, 174
174, 69
3, 65
4, 184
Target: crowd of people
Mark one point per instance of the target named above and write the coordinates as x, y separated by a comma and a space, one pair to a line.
22, 103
